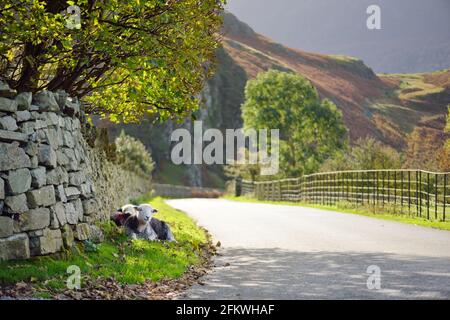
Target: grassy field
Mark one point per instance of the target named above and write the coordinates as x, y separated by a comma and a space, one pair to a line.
365, 211
127, 262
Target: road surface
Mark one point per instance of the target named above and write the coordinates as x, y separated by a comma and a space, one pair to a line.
289, 252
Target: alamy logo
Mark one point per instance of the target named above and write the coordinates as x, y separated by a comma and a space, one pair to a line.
374, 280
73, 17
74, 280
374, 20
189, 150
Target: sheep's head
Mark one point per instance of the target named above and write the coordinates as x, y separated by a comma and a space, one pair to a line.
145, 212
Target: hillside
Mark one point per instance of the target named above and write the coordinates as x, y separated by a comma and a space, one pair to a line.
414, 37
387, 107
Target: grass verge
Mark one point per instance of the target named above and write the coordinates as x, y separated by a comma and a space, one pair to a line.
345, 207
117, 258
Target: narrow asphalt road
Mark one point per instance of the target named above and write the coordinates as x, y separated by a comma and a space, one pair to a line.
288, 252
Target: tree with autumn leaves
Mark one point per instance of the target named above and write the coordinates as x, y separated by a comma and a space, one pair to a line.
126, 58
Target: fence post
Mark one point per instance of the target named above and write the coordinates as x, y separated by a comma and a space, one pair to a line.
382, 186
436, 196
238, 187
395, 191
417, 193
374, 189
401, 201
280, 193
420, 194
428, 195
322, 191
445, 194
388, 187
378, 189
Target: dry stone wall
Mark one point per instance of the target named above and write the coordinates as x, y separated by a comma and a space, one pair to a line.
53, 187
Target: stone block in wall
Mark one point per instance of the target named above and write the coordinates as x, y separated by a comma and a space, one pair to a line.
10, 136
39, 123
12, 157
71, 214
95, 234
68, 139
16, 204
46, 101
90, 207
62, 121
35, 233
38, 177
19, 181
85, 190
62, 159
34, 162
68, 124
60, 194
24, 100
82, 232
72, 164
35, 219
50, 242
52, 137
59, 211
15, 247
47, 156
35, 244
32, 149
44, 197
6, 91
52, 119
22, 116
6, 227
8, 123
54, 223
57, 176
77, 178
8, 105
72, 193
2, 189
27, 127
79, 209
68, 236
61, 97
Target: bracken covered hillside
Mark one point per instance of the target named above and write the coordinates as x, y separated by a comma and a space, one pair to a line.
387, 107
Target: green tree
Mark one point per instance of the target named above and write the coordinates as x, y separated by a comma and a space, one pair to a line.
310, 129
133, 156
128, 58
366, 154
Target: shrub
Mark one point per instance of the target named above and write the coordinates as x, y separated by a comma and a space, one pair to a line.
366, 154
133, 156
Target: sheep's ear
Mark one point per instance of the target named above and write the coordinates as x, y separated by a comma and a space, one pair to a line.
154, 211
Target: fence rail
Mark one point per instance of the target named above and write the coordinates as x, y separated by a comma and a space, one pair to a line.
173, 191
415, 192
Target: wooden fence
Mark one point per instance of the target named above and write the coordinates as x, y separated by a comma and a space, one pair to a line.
173, 191
415, 192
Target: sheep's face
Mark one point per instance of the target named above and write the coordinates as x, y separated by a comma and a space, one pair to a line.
145, 212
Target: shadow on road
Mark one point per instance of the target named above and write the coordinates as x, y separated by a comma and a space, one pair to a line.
281, 274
